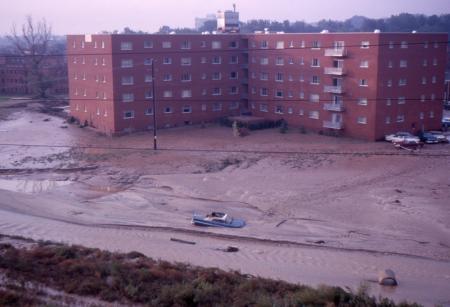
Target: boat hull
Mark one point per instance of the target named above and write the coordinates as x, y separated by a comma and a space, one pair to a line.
202, 221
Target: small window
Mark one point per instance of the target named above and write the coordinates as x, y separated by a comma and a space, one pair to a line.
436, 45
128, 114
234, 105
290, 110
264, 45
301, 95
431, 114
263, 107
365, 45
315, 45
362, 101
216, 45
315, 63
390, 64
168, 110
434, 62
404, 44
433, 79
264, 76
279, 93
313, 114
186, 93
264, 91
186, 61
433, 97
364, 64
186, 109
126, 46
166, 44
315, 80
234, 59
279, 77
103, 44
400, 118
167, 94
127, 63
202, 44
167, 77
216, 76
422, 98
362, 120
233, 75
403, 63
425, 44
167, 60
186, 77
149, 111
363, 82
401, 100
186, 45
127, 97
402, 82
314, 97
264, 61
391, 45
233, 90
203, 60
148, 44
216, 60
280, 45
387, 120
302, 44
233, 44
127, 80
148, 95
216, 107
148, 78
389, 83
216, 91
279, 109
388, 101
279, 61
204, 108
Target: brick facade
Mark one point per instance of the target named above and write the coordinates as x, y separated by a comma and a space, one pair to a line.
363, 85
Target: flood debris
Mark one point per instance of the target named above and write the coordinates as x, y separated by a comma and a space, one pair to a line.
280, 223
228, 249
387, 278
182, 241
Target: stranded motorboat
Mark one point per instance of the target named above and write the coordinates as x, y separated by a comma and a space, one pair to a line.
217, 219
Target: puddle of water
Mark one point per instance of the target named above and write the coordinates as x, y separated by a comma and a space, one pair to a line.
31, 186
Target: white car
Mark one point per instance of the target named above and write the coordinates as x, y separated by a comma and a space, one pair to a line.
440, 136
405, 137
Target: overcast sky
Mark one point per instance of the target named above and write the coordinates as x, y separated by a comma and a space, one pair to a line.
92, 16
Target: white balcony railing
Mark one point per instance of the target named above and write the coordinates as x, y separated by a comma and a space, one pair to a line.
336, 52
337, 107
333, 125
337, 71
335, 89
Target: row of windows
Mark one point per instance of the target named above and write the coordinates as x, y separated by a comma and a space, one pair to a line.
127, 46
185, 77
404, 63
403, 81
186, 93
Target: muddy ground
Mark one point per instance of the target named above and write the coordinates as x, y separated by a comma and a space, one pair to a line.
319, 210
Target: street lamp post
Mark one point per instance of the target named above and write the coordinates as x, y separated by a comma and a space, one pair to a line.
155, 146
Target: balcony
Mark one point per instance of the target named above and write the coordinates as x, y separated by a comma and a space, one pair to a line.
333, 125
336, 52
337, 107
335, 71
335, 89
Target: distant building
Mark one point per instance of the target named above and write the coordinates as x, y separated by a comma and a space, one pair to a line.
200, 21
362, 85
228, 21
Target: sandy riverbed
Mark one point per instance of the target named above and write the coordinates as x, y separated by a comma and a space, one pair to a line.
372, 206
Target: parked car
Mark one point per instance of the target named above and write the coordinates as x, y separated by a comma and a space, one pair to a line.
440, 136
401, 137
428, 138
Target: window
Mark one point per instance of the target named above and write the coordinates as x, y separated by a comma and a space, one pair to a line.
234, 105
185, 61
85, 93
279, 93
431, 114
315, 80
302, 61
82, 44
233, 90
402, 82
387, 120
128, 114
401, 100
400, 118
264, 91
186, 77
404, 44
263, 107
314, 97
74, 60
149, 111
203, 107
279, 61
203, 44
390, 65
126, 63
279, 109
425, 63
433, 79
216, 76
301, 95
203, 77
365, 45
234, 59
264, 76
424, 80
364, 64
167, 44
186, 109
204, 92
421, 115
127, 97
291, 44
148, 44
363, 82
216, 107
436, 45
291, 61
425, 44
203, 60
290, 111
83, 60
233, 75
315, 63
315, 45
313, 114
388, 101
148, 78
167, 77
148, 95
148, 61
434, 62
264, 61
391, 45
84, 76
279, 77
168, 110
95, 61
186, 45
422, 98
280, 45
126, 46
362, 101
216, 60
302, 78
167, 60
264, 45
216, 45
186, 93
362, 120
167, 94
290, 78
127, 80
433, 97
103, 61
103, 44
302, 44
403, 63
216, 91
233, 44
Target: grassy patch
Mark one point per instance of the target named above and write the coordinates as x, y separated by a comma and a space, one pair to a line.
136, 279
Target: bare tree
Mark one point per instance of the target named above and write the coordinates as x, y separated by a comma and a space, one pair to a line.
32, 44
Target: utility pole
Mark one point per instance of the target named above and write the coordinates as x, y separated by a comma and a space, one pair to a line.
155, 146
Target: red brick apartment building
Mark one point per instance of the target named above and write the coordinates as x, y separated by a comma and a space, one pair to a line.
362, 85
